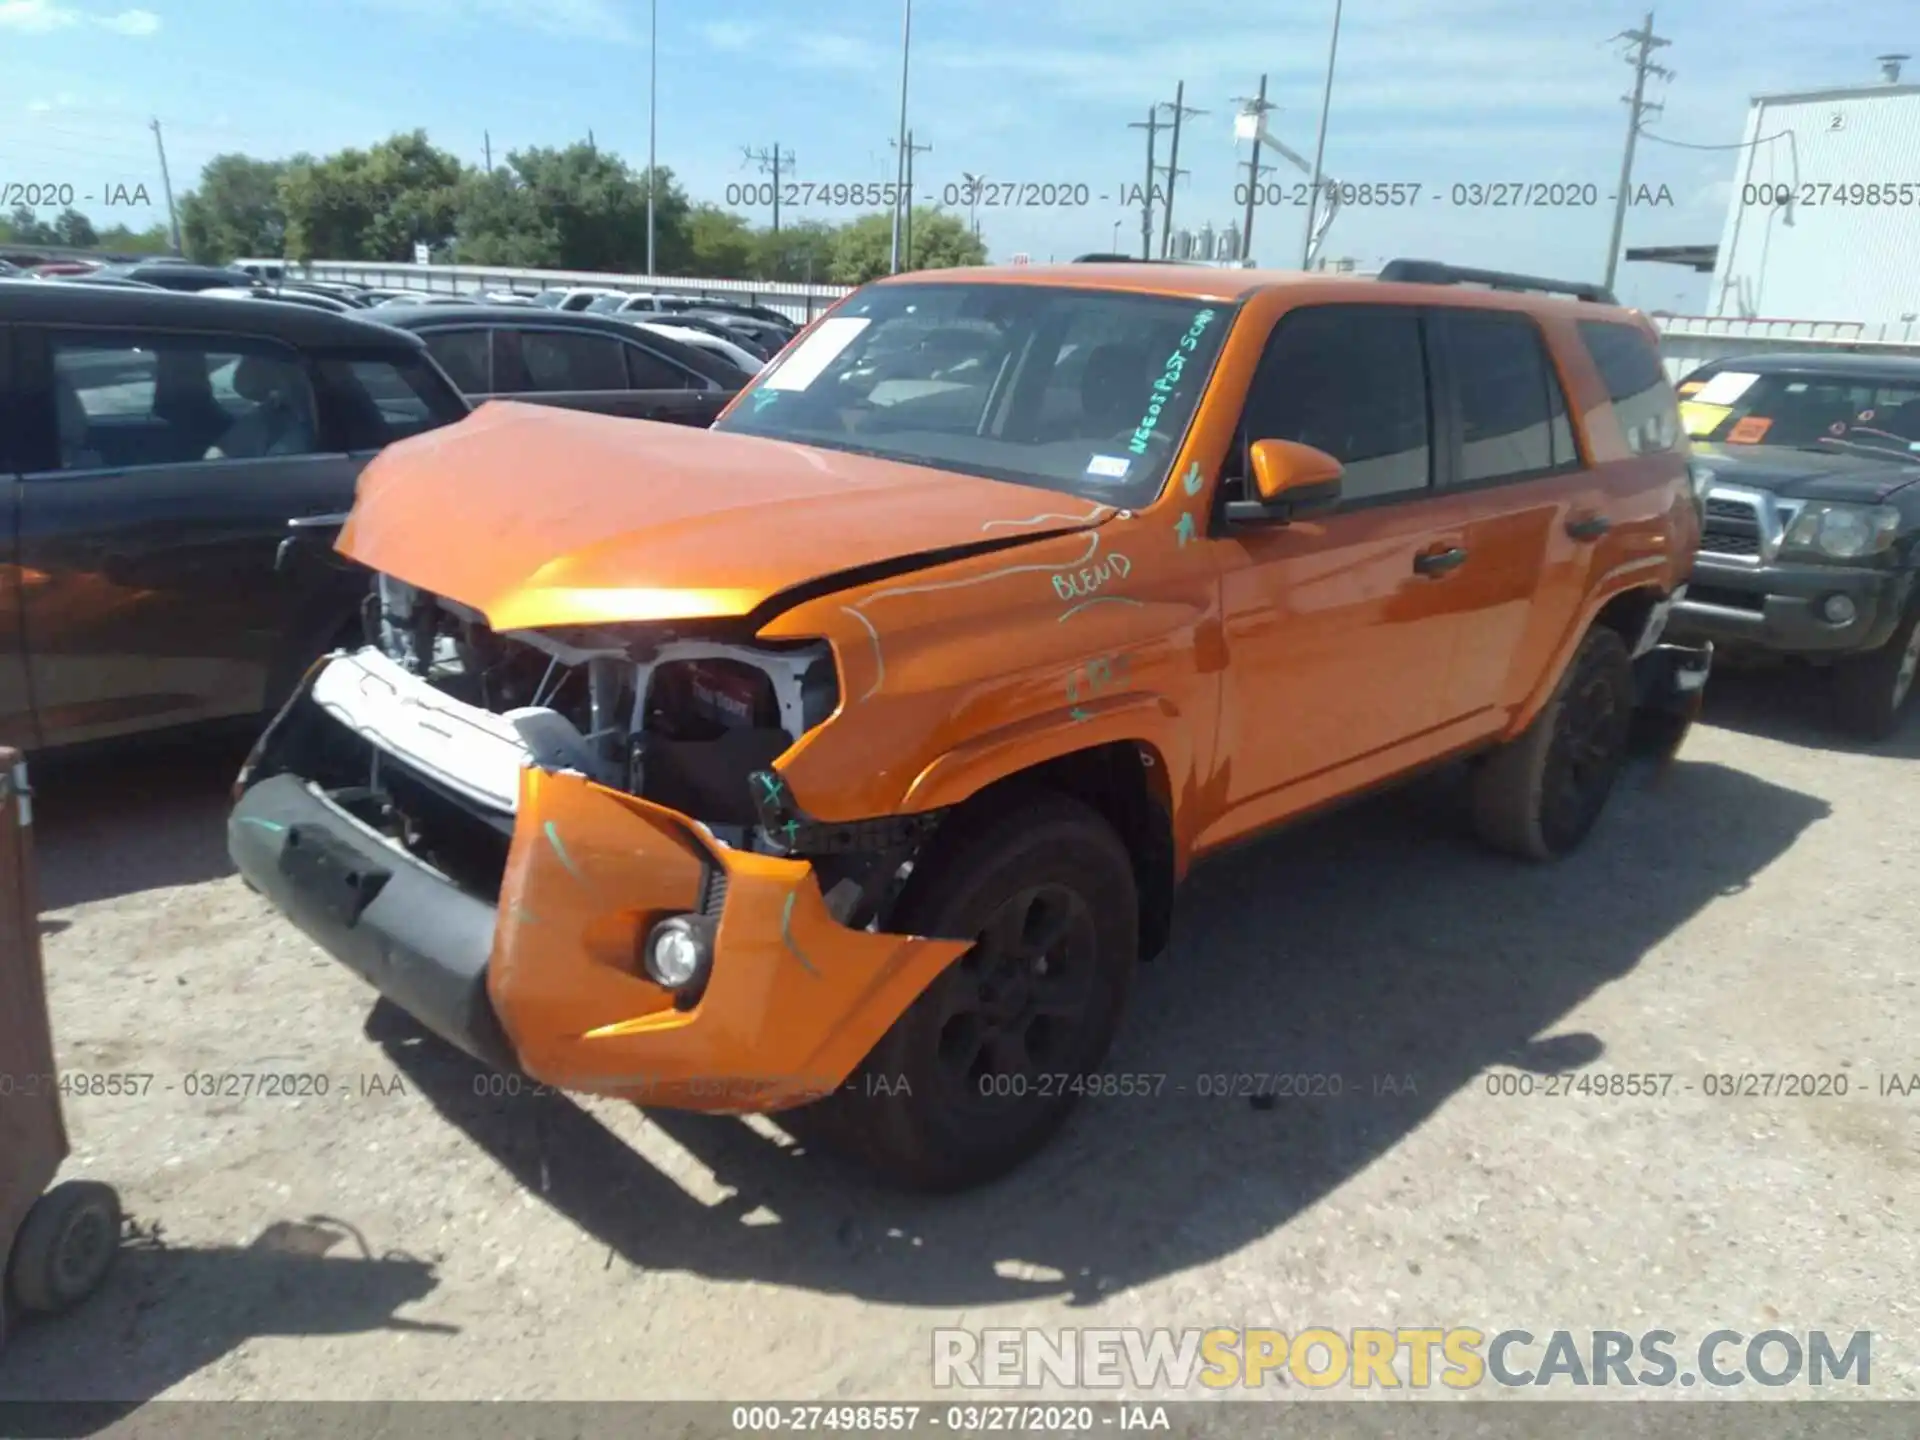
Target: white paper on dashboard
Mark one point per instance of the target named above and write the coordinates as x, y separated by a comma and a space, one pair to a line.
815, 353
1724, 388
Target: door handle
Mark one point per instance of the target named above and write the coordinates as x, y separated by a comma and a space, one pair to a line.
1439, 562
318, 522
1589, 527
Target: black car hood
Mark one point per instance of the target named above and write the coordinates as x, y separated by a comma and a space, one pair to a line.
1807, 474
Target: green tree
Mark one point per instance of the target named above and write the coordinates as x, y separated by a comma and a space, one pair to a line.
864, 248
796, 253
23, 227
372, 204
501, 223
119, 240
594, 204
74, 230
235, 211
719, 243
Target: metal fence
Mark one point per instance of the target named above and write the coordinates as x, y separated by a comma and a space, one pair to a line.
797, 302
1686, 341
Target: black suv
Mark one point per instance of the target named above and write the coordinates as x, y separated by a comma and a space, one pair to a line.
158, 452
1811, 537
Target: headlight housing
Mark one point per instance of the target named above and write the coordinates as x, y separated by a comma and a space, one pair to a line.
1841, 532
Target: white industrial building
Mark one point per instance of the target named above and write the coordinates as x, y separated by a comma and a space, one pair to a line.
1824, 219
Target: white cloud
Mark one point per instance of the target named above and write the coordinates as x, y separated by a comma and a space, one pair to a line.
35, 17
131, 22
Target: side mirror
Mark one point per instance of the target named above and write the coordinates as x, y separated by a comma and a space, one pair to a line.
1290, 480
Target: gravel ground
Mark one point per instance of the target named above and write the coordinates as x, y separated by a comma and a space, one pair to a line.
408, 1237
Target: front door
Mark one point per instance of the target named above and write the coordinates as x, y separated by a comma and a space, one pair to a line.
166, 466
1341, 628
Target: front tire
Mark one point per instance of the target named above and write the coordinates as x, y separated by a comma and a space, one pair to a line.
985, 1066
1871, 691
65, 1246
1540, 795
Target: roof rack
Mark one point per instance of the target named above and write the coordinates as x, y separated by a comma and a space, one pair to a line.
1104, 258
1432, 272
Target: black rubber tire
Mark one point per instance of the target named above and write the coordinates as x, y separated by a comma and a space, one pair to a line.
900, 1113
1515, 805
65, 1246
1868, 699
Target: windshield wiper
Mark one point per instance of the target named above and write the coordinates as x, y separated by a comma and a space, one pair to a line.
1856, 446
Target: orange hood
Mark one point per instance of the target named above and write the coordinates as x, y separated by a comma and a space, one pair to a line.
538, 516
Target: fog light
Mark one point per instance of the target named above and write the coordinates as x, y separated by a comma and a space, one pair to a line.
1838, 609
679, 950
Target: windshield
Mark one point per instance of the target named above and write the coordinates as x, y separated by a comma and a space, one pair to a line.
1083, 391
1740, 407
608, 304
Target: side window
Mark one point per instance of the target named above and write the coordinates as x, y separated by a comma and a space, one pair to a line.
1513, 415
381, 399
176, 399
1637, 383
1350, 380
648, 371
554, 361
463, 354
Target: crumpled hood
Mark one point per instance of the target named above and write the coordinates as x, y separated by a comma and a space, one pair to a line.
1807, 474
538, 516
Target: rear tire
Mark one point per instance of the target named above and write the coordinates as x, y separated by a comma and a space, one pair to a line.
981, 1070
1871, 691
65, 1246
1540, 795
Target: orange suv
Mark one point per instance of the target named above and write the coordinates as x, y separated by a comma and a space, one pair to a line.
849, 753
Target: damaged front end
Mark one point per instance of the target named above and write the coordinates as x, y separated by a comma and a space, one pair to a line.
572, 853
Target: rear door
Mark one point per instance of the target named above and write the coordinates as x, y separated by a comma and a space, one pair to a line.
16, 696
163, 469
1535, 506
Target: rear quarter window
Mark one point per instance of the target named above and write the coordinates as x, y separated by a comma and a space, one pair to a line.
1643, 398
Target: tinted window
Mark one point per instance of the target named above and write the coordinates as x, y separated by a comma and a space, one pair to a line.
387, 399
173, 400
551, 361
1350, 380
1513, 416
1637, 383
463, 354
1742, 407
647, 371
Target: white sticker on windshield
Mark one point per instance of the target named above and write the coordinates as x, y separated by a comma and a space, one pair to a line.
1108, 467
803, 364
1725, 388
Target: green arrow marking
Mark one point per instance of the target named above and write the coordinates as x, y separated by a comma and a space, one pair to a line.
1191, 480
1184, 529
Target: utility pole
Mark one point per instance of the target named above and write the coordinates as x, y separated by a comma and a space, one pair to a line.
770, 162
905, 260
900, 196
592, 149
653, 114
1180, 109
486, 141
166, 184
1152, 126
1260, 108
1645, 42
1320, 145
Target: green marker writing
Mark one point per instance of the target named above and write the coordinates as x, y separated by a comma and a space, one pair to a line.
1191, 480
1184, 529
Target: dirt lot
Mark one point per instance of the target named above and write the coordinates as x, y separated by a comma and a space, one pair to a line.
1754, 912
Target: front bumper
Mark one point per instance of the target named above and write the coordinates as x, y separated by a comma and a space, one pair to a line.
1776, 607
544, 979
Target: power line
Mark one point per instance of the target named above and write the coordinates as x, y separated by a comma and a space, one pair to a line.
1645, 42
1172, 168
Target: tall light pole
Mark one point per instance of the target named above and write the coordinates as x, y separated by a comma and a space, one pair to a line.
900, 197
653, 111
1320, 145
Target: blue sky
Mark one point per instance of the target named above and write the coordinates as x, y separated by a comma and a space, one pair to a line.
1427, 91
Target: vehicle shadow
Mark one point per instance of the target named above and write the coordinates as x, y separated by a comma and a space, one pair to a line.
1795, 705
296, 1278
138, 819
1374, 942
